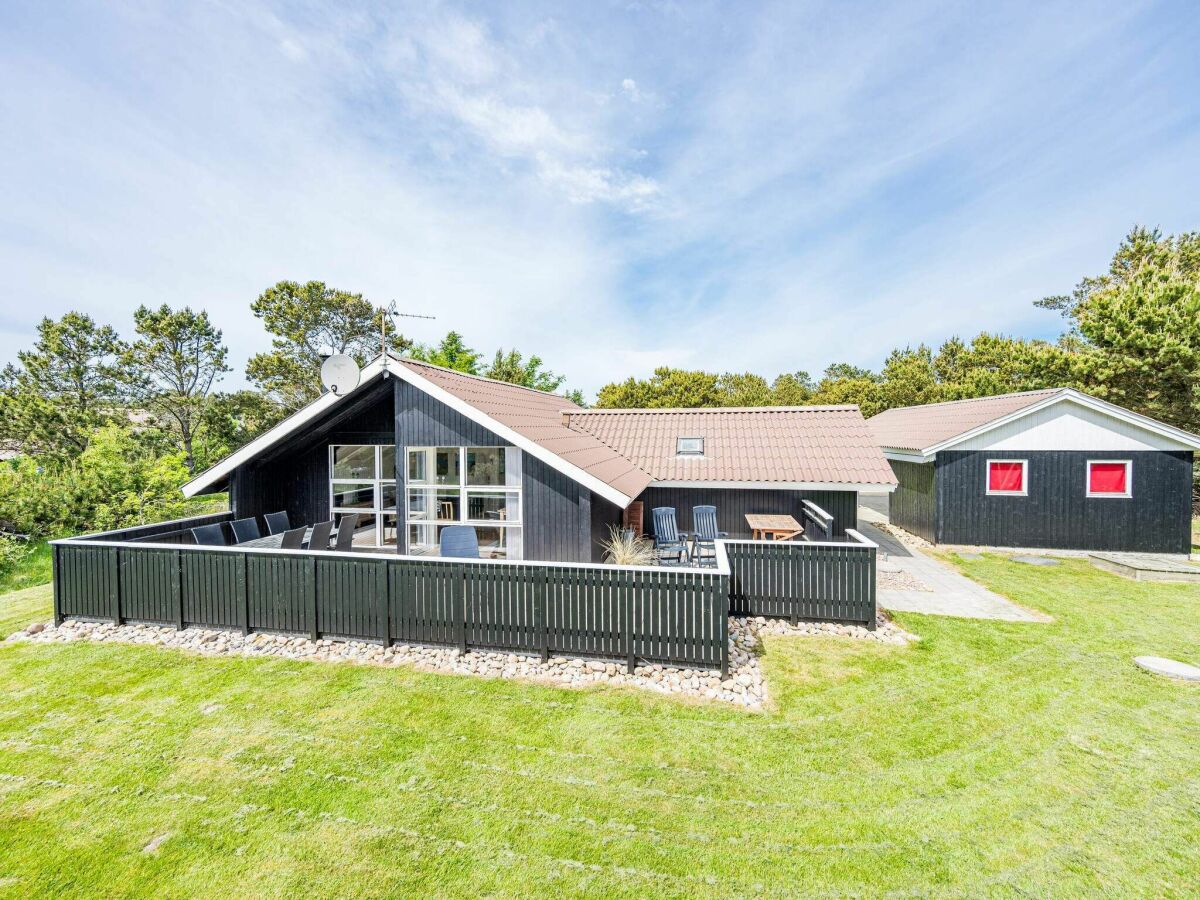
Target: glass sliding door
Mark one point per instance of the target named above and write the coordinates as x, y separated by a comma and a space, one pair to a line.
478, 486
362, 480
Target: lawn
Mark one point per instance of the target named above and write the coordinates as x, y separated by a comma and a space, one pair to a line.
990, 759
33, 568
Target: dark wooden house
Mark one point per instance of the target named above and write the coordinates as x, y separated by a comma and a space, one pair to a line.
415, 447
1043, 469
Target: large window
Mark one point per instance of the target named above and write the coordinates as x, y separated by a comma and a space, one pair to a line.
362, 479
478, 486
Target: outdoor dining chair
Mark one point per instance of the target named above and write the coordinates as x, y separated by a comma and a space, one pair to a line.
245, 530
705, 534
670, 544
293, 538
209, 535
277, 522
459, 542
345, 534
319, 540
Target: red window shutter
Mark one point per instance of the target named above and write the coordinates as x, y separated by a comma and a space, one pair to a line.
1108, 478
1006, 476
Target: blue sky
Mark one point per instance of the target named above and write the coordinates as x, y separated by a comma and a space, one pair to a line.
612, 185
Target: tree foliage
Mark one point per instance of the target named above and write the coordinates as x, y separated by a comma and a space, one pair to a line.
69, 384
171, 370
515, 369
682, 388
451, 352
307, 322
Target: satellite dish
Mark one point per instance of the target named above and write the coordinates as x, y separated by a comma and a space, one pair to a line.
339, 374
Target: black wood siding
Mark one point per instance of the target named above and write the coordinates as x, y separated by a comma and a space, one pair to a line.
733, 503
911, 505
1057, 512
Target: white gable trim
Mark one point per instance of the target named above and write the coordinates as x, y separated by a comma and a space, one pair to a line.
913, 456
1067, 395
372, 371
272, 436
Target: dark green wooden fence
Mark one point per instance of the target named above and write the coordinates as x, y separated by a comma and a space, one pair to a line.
828, 582
676, 616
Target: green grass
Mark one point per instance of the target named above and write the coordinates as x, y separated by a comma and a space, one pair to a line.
991, 759
32, 569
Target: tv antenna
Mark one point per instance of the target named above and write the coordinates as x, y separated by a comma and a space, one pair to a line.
392, 311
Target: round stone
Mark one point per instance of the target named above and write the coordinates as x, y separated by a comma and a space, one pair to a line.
1169, 667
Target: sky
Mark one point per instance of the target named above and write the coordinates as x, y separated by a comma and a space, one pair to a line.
613, 186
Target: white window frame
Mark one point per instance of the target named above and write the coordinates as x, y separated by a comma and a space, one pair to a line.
679, 451
378, 483
1108, 495
463, 490
987, 478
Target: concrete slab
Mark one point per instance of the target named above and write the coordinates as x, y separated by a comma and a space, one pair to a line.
1169, 667
1146, 566
1035, 560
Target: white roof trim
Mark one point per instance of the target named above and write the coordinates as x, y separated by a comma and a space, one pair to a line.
268, 438
373, 370
779, 485
913, 456
518, 440
1067, 394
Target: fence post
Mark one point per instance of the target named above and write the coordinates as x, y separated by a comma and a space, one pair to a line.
720, 602
56, 576
630, 605
177, 600
313, 632
872, 594
542, 587
114, 583
462, 608
384, 613
243, 593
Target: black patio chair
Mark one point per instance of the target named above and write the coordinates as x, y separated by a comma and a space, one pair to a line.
209, 535
458, 542
277, 522
319, 540
345, 535
670, 544
245, 530
293, 538
704, 526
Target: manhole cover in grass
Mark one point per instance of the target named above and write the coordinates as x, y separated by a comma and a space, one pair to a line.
1169, 667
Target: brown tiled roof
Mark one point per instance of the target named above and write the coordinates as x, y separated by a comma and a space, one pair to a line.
815, 444
538, 416
919, 427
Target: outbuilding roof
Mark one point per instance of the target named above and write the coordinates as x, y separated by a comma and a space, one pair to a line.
793, 445
932, 427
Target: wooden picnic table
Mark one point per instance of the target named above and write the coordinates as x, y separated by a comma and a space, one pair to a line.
273, 541
772, 527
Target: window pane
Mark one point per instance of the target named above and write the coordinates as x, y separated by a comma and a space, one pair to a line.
1108, 478
387, 462
1007, 477
353, 496
418, 466
486, 466
423, 539
493, 506
499, 543
446, 465
353, 461
390, 530
364, 531
387, 496
434, 503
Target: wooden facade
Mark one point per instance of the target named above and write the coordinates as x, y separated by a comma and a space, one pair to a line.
946, 501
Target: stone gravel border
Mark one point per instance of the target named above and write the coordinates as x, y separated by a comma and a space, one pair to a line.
745, 686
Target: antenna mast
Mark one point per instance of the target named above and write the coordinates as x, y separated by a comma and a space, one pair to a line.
391, 310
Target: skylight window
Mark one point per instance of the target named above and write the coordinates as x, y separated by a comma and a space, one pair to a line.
689, 446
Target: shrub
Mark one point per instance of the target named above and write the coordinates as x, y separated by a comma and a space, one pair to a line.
624, 548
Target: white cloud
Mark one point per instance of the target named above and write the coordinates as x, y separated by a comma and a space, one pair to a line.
629, 86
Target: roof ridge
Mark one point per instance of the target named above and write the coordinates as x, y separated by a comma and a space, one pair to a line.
838, 407
408, 360
962, 400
